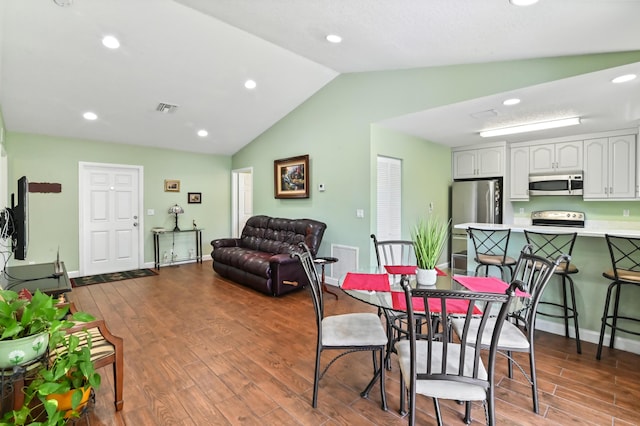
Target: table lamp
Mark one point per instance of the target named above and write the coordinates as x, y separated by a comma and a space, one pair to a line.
176, 209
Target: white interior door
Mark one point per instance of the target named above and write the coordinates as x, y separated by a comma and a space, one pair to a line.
242, 181
110, 220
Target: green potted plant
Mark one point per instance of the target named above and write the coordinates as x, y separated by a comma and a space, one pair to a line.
34, 323
25, 322
61, 388
429, 239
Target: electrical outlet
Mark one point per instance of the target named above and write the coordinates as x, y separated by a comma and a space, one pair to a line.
360, 213
625, 212
521, 210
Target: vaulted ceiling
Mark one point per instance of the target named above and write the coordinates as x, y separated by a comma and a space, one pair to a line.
198, 54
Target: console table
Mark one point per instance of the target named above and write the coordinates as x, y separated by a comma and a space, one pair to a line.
156, 243
36, 277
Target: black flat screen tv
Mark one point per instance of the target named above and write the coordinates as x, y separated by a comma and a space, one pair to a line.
20, 215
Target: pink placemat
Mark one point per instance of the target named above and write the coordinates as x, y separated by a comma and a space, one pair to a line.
486, 285
454, 306
407, 270
371, 282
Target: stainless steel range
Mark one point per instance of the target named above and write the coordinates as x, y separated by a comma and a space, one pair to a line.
558, 218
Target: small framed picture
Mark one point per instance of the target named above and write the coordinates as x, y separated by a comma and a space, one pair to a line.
194, 197
291, 177
171, 185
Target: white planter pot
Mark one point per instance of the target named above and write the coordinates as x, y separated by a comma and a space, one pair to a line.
21, 351
426, 276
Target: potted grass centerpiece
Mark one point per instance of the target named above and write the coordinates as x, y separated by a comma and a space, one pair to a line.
429, 238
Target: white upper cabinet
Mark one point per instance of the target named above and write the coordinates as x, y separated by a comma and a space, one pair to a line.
555, 157
519, 175
478, 163
610, 168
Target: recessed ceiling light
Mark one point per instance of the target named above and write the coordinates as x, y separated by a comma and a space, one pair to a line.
111, 42
250, 84
624, 78
512, 101
203, 133
90, 115
523, 2
334, 38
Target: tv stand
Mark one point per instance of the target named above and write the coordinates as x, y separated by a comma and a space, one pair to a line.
41, 277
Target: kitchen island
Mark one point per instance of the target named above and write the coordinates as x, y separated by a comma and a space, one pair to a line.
591, 257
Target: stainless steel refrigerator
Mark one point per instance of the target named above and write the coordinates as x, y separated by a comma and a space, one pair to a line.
472, 201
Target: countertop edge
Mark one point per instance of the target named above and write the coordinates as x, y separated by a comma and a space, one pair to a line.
582, 232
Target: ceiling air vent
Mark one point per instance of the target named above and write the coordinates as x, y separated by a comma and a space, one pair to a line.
166, 108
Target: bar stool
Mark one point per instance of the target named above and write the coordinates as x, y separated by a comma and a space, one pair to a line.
550, 246
491, 250
625, 271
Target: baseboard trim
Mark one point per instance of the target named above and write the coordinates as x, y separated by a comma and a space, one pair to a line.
621, 343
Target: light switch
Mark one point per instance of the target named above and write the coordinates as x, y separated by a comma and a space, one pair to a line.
359, 213
151, 212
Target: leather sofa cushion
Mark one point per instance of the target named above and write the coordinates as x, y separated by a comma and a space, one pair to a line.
252, 261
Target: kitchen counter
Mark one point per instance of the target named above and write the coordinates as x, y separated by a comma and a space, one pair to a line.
591, 256
587, 231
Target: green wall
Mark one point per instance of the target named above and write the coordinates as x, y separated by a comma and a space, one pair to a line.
53, 218
334, 128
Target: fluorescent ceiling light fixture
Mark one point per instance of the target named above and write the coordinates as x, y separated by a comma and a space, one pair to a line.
531, 127
523, 2
334, 38
90, 115
512, 101
203, 133
624, 78
250, 84
111, 42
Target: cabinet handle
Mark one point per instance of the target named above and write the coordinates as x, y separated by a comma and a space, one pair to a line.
605, 190
611, 190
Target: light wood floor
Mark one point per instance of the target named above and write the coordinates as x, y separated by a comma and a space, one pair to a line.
203, 351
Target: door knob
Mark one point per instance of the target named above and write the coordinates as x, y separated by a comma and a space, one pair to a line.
135, 223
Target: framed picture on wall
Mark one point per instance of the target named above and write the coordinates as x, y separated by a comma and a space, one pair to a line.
171, 185
291, 177
194, 197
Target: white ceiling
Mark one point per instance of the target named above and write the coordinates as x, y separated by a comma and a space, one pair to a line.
198, 53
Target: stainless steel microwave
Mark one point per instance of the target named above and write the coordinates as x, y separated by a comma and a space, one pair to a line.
556, 184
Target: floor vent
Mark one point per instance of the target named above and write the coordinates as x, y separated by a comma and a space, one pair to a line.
347, 262
166, 108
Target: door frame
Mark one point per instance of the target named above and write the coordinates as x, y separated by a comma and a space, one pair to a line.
82, 166
235, 232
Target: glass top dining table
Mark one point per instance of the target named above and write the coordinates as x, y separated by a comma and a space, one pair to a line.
370, 286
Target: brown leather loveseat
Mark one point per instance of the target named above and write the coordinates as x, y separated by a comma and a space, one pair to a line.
261, 257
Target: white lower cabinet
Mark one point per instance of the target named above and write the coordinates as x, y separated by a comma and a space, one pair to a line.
610, 168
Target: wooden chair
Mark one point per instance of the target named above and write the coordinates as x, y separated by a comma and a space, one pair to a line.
347, 333
432, 364
106, 349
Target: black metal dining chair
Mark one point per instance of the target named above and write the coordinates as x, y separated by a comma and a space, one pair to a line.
347, 333
532, 273
394, 252
434, 365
